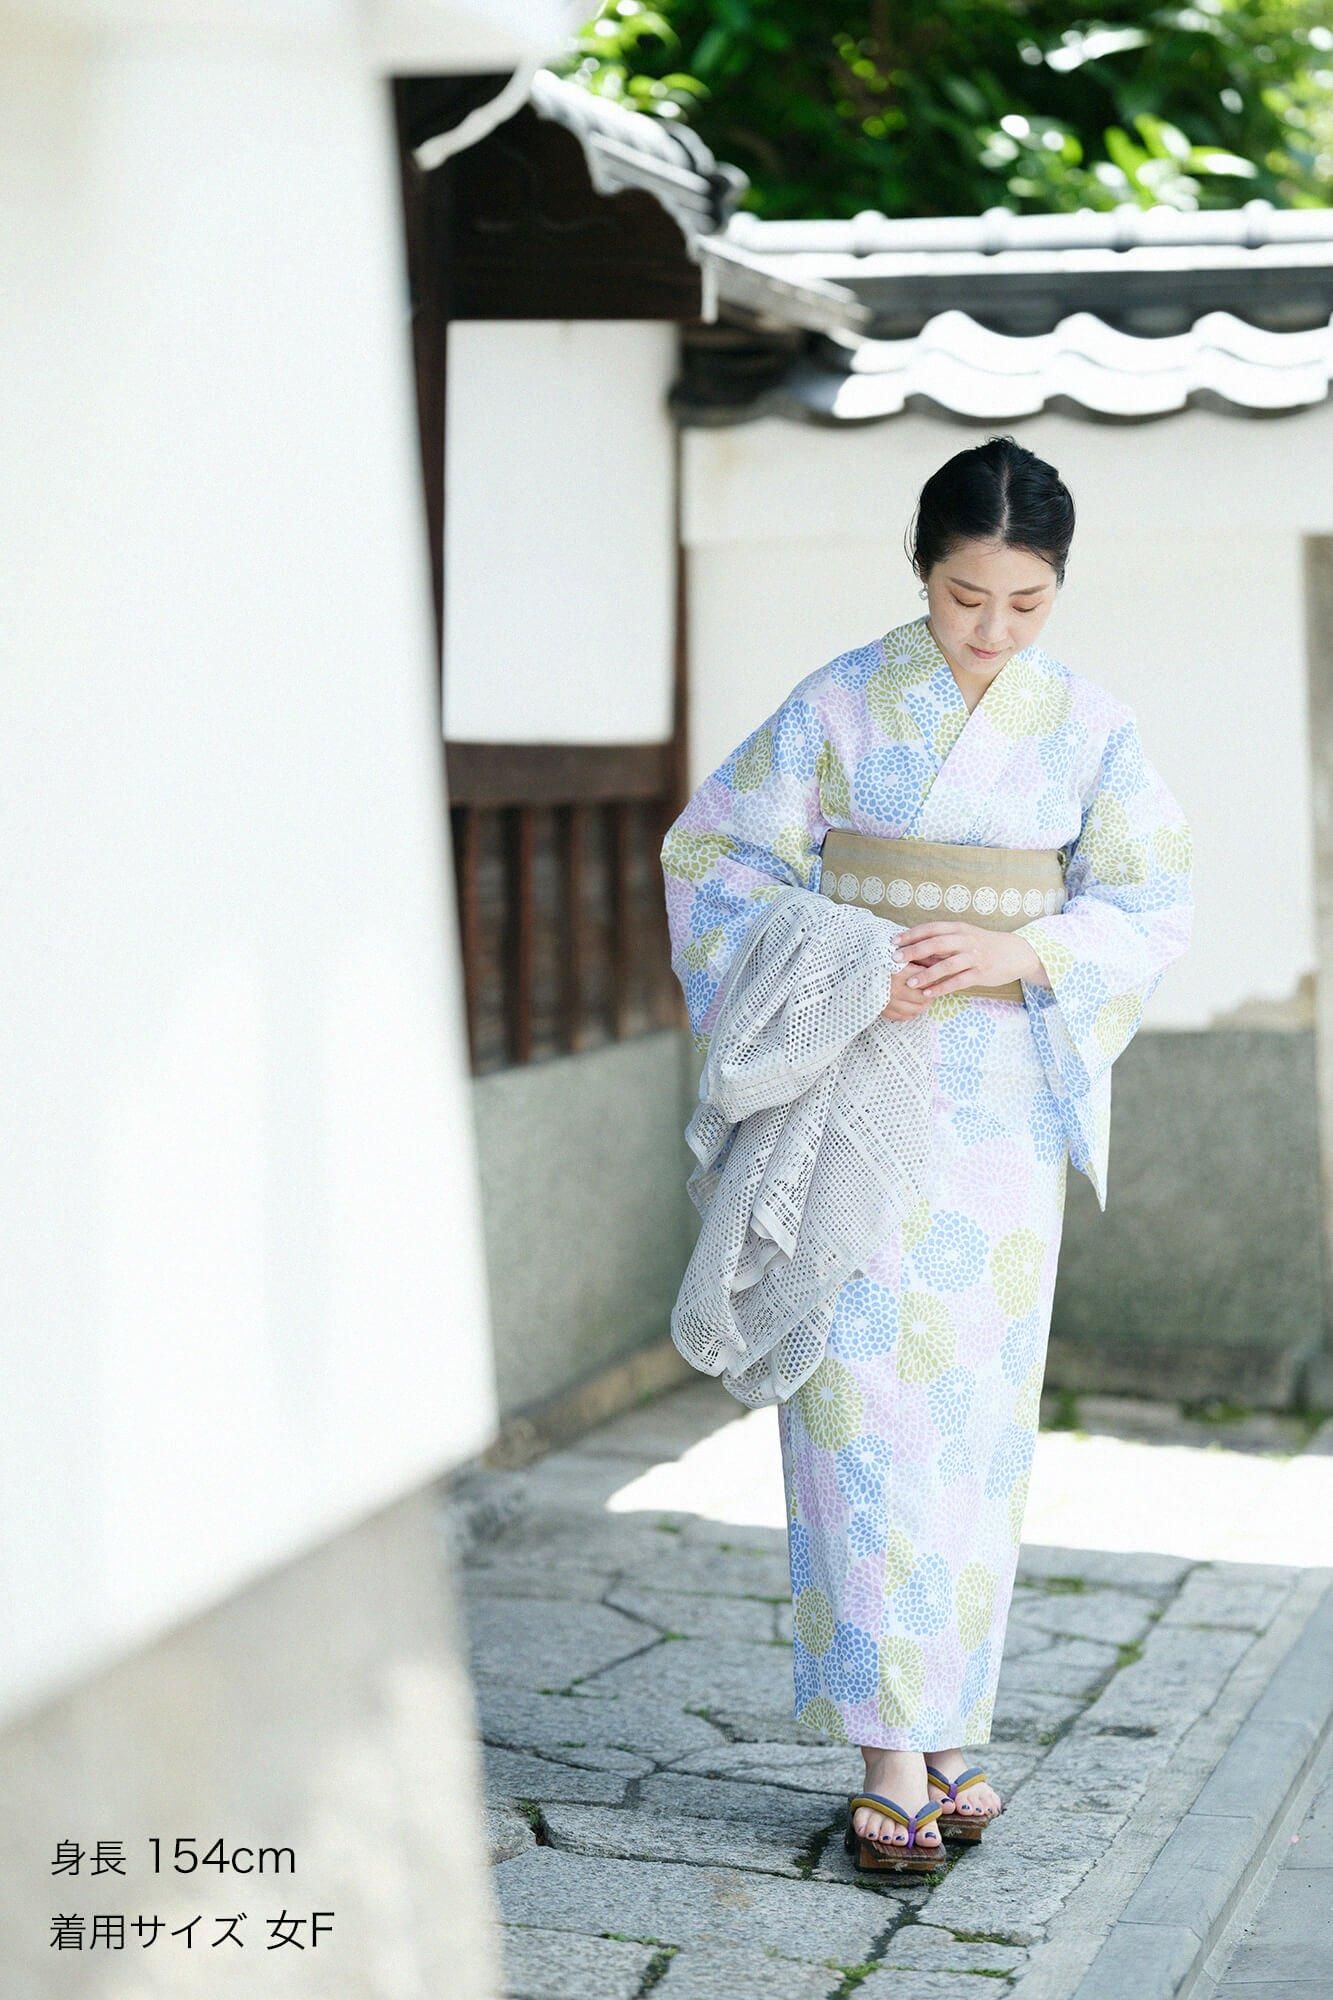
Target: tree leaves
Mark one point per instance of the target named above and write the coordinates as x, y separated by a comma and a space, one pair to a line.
947, 107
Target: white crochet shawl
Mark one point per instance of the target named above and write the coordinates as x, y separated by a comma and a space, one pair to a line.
811, 1136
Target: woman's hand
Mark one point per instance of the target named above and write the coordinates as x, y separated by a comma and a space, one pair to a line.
902, 1004
950, 957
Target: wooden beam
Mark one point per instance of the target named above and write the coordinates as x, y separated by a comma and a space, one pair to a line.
425, 199
465, 831
550, 774
622, 917
571, 827
518, 936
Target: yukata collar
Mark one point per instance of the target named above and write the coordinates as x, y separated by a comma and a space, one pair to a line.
950, 692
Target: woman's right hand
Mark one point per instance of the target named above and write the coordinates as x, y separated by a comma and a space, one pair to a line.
904, 1003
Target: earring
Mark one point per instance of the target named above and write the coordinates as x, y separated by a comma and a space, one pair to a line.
923, 591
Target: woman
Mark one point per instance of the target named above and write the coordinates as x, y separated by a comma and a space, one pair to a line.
906, 1454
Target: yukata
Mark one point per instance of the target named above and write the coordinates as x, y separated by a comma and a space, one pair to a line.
906, 1454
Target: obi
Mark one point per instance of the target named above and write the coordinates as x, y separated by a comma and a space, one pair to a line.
923, 881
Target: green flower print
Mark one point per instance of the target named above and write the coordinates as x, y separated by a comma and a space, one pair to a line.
835, 794
980, 1716
755, 761
1173, 848
693, 855
792, 845
948, 730
822, 1714
916, 1224
887, 702
899, 1560
699, 950
1106, 841
974, 1595
1056, 957
1027, 1403
902, 1680
1024, 701
910, 653
814, 1620
1116, 1021
831, 1404
1015, 1270
925, 1337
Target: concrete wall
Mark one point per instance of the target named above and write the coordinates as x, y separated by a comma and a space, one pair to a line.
1203, 1278
588, 1224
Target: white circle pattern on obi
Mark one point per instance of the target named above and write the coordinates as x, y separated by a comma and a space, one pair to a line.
956, 897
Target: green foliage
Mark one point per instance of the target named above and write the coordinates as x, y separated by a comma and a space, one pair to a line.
948, 107
1064, 1413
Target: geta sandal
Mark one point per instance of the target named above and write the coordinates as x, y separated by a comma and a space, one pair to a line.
956, 1825
874, 1852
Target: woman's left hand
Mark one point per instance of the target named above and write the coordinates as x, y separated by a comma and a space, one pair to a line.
950, 957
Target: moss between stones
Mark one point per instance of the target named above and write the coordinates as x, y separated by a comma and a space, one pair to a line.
656, 1969
852, 1976
1064, 1413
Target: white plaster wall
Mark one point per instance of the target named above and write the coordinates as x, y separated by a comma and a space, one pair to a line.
244, 1300
1182, 593
559, 534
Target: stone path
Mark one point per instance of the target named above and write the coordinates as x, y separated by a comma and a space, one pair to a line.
1287, 1950
660, 1823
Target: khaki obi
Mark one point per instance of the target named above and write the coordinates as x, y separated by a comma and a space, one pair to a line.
929, 881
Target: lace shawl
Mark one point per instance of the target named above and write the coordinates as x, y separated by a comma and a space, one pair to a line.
811, 1137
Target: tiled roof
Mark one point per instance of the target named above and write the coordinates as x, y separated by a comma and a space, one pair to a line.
1082, 364
1126, 315
996, 230
626, 149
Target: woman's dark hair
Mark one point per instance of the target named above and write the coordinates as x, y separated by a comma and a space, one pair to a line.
997, 491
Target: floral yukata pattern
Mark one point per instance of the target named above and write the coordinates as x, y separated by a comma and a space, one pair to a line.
906, 1456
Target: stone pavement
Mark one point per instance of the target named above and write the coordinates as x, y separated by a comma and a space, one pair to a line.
1286, 1950
660, 1823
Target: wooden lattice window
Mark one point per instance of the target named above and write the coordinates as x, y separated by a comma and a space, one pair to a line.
560, 896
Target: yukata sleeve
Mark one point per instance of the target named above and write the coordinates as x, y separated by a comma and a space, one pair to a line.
1128, 913
754, 827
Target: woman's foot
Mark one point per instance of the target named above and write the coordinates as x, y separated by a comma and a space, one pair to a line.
980, 1802
899, 1775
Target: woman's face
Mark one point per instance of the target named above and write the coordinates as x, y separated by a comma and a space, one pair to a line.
987, 602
